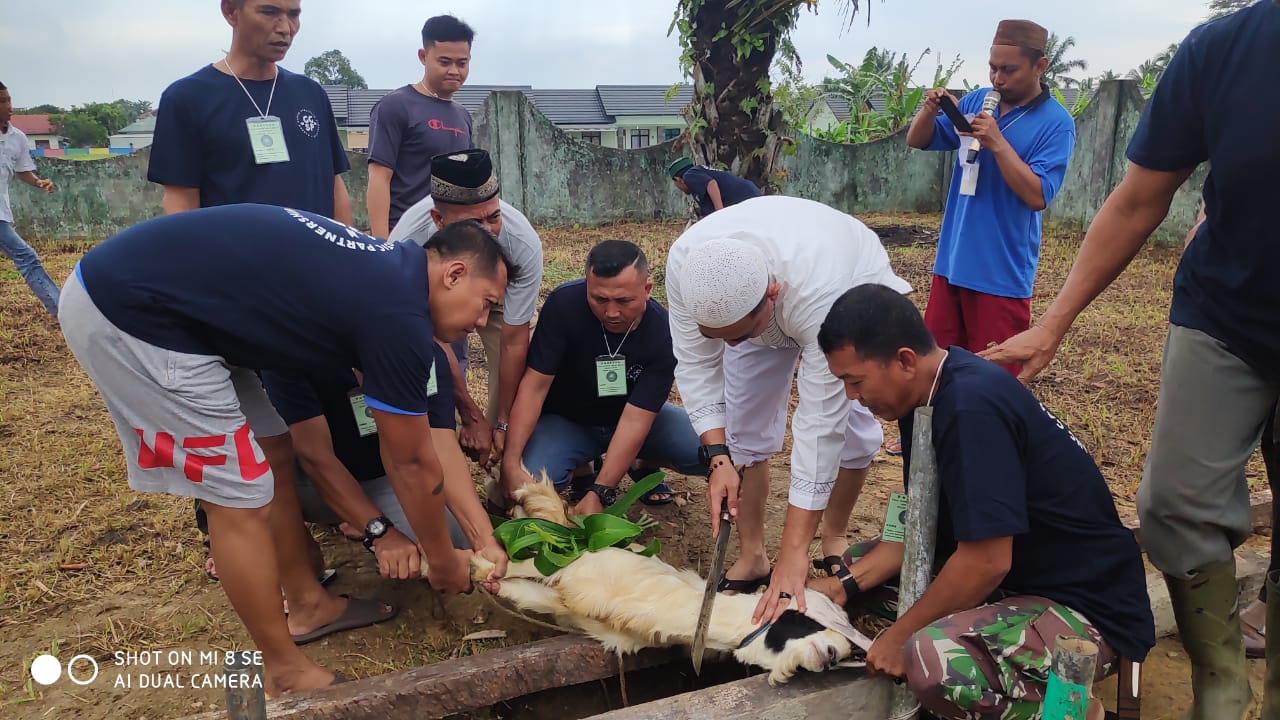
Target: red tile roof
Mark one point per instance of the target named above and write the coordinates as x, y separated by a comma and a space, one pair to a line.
33, 124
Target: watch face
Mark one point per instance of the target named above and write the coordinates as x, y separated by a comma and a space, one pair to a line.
375, 527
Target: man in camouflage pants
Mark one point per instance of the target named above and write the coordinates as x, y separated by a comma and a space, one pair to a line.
1029, 545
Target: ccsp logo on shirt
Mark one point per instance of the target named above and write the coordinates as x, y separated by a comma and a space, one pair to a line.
308, 123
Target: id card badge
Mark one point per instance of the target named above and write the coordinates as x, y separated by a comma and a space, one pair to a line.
895, 519
969, 179
611, 376
266, 135
432, 389
364, 416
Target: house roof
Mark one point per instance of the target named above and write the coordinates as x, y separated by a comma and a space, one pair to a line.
600, 105
142, 126
33, 124
643, 99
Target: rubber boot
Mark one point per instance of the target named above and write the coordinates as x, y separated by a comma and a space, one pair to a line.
1271, 685
1205, 608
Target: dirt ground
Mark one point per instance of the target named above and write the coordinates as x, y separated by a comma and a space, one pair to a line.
89, 567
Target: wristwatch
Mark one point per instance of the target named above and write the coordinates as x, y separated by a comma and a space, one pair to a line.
607, 495
706, 452
375, 529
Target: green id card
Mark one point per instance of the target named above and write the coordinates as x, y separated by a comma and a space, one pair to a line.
895, 519
432, 389
364, 416
266, 135
611, 376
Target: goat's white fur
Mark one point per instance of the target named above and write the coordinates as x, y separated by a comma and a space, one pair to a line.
628, 602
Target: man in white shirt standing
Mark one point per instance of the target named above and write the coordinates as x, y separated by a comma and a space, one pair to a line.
15, 159
747, 289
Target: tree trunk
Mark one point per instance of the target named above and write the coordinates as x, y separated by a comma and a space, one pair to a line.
732, 120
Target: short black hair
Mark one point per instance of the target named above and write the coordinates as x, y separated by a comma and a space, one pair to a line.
611, 257
446, 28
3, 86
876, 320
468, 238
1032, 54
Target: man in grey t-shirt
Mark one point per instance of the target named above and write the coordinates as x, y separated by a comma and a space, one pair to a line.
464, 187
412, 124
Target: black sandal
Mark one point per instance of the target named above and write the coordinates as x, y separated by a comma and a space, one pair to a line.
745, 587
835, 566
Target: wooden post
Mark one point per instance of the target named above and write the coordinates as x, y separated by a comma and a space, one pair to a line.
1070, 679
921, 534
246, 698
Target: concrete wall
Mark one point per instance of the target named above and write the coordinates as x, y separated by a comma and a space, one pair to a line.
557, 180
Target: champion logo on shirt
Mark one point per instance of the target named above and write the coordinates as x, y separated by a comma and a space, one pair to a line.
438, 124
308, 123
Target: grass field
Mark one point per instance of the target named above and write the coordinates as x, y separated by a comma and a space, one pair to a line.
88, 566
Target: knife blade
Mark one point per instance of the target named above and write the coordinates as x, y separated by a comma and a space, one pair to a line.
713, 580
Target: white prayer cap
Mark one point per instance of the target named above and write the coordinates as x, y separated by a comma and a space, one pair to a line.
723, 280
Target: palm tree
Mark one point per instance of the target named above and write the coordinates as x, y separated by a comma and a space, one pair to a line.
1108, 75
728, 47
1056, 49
1223, 8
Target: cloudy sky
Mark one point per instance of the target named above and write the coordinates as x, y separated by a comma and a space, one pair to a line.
69, 52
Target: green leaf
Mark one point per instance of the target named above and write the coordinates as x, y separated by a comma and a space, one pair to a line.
605, 530
544, 565
639, 489
652, 549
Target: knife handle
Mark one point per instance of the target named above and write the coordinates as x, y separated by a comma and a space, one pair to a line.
724, 511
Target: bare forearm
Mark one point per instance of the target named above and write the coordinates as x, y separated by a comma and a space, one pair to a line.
339, 490
179, 199
341, 201
460, 489
525, 411
920, 132
419, 486
960, 586
1127, 218
29, 177
511, 363
798, 530
628, 438
378, 200
877, 567
1021, 178
713, 191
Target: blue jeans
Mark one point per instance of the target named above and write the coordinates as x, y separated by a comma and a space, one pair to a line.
559, 445
29, 267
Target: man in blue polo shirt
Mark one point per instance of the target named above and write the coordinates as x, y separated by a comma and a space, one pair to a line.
1217, 102
600, 370
1029, 543
171, 318
341, 478
990, 242
712, 189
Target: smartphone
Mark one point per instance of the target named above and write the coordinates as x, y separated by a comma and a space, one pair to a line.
951, 111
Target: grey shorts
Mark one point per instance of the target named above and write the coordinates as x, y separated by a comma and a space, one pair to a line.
1194, 502
381, 494
187, 422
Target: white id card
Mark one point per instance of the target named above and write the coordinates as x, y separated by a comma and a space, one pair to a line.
968, 179
266, 135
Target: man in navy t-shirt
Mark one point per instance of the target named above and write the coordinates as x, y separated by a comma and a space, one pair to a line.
600, 370
712, 189
1024, 517
246, 130
341, 478
171, 318
1217, 102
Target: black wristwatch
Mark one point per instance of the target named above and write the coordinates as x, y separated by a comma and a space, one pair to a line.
375, 529
706, 452
608, 495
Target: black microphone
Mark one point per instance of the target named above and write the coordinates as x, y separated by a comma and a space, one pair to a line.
989, 105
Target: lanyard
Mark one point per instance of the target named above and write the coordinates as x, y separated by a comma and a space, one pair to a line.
614, 353
937, 375
270, 97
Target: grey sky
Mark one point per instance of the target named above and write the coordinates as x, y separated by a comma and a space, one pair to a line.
69, 52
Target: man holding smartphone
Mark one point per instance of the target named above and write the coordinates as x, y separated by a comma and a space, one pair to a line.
990, 242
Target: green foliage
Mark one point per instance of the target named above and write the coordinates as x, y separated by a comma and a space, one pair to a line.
80, 129
333, 68
1222, 8
45, 109
1056, 49
882, 74
553, 546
